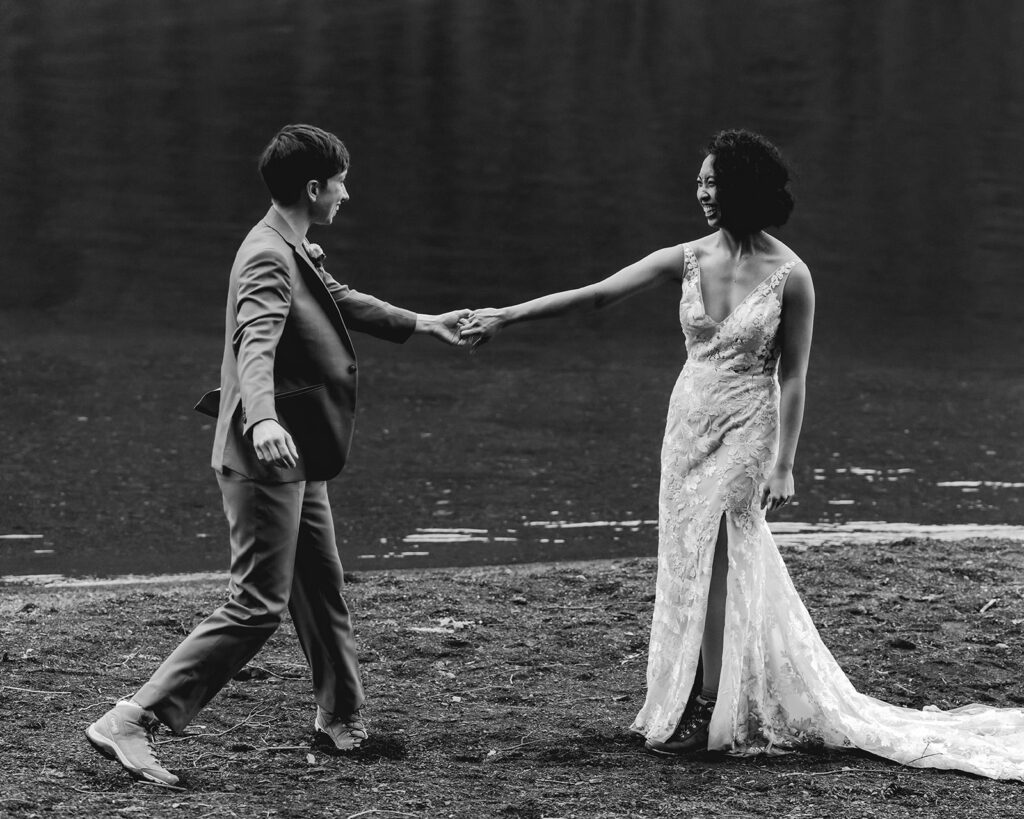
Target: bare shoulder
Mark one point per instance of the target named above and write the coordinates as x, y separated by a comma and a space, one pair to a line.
798, 291
800, 274
673, 254
672, 251
702, 247
667, 262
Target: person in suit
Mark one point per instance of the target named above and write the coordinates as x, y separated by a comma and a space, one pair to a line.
284, 425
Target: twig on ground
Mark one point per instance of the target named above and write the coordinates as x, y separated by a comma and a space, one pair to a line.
988, 605
255, 712
207, 754
837, 772
378, 810
161, 785
275, 674
918, 759
80, 672
107, 703
218, 812
82, 790
480, 688
522, 743
282, 748
33, 690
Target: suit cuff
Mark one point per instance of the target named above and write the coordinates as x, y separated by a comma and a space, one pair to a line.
262, 413
406, 326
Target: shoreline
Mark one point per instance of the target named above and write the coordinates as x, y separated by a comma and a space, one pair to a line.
789, 535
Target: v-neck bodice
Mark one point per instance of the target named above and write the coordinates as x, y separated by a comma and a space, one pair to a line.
744, 341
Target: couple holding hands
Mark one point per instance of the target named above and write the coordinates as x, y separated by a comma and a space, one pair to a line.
735, 662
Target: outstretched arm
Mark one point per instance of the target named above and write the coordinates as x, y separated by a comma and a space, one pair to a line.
658, 267
378, 318
370, 315
796, 328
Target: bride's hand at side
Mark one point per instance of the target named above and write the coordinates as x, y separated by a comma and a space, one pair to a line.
779, 489
482, 325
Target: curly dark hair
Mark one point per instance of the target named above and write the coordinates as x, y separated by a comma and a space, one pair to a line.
752, 178
297, 154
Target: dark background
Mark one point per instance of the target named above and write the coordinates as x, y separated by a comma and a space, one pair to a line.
500, 150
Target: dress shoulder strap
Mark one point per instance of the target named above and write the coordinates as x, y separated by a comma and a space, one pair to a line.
781, 274
692, 270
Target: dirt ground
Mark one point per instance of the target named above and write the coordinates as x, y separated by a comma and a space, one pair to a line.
503, 692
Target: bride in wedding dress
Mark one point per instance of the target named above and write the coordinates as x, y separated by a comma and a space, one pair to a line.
735, 661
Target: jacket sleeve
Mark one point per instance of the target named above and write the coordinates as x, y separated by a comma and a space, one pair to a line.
262, 305
366, 314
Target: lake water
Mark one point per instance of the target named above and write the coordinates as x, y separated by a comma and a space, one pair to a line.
500, 150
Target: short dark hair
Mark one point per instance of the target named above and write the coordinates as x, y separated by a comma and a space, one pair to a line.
752, 179
297, 154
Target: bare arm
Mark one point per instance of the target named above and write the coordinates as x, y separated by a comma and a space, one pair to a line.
660, 266
796, 331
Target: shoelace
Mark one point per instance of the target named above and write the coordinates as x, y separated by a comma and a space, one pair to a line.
151, 743
698, 718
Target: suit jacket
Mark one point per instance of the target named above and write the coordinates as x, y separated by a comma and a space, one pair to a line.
288, 355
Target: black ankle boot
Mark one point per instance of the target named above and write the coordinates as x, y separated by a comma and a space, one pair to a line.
691, 734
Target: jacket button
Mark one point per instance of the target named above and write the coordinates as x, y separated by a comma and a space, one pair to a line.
352, 368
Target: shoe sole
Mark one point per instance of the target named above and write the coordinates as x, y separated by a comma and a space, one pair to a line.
110, 750
666, 752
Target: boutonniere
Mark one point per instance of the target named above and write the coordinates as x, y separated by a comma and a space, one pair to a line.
317, 256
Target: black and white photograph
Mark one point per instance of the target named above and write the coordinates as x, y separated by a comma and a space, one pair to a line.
511, 409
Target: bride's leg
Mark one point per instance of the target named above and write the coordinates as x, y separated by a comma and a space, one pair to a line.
692, 732
714, 623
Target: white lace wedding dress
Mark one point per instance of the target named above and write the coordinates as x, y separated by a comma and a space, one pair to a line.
781, 688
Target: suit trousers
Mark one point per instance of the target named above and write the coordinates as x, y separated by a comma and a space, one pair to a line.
283, 555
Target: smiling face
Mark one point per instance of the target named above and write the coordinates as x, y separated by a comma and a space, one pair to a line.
707, 192
326, 198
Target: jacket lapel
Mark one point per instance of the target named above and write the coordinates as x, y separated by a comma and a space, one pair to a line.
309, 273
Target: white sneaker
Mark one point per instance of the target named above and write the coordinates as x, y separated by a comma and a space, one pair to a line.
125, 733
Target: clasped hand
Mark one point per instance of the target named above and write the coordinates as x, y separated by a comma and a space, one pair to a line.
480, 326
463, 328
